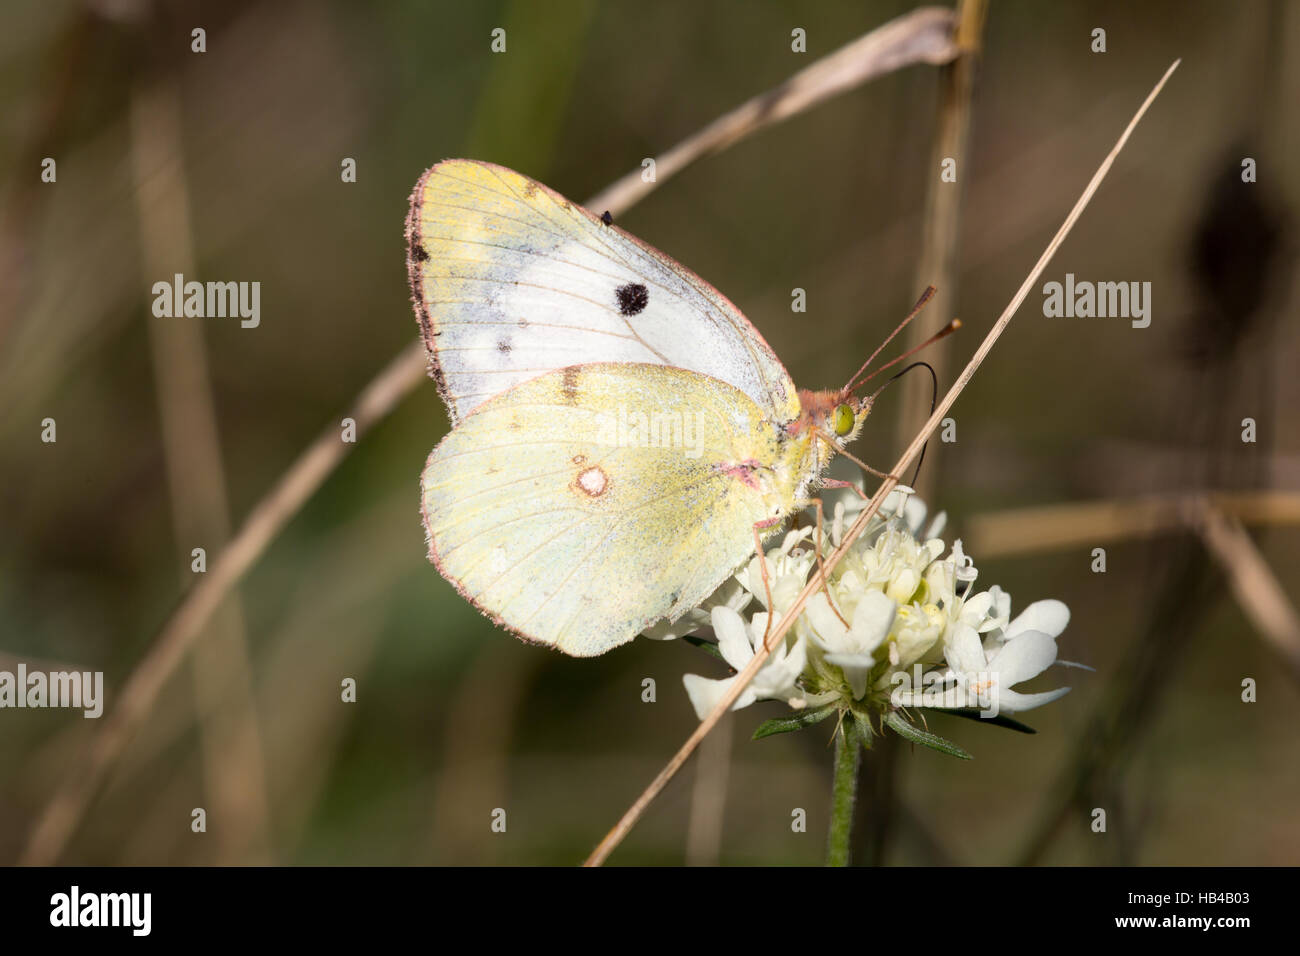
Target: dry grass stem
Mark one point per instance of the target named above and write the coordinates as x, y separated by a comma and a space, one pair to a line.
136, 698
234, 777
1059, 527
938, 262
709, 797
1252, 581
922, 36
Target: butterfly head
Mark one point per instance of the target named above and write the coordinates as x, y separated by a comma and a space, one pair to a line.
833, 415
847, 416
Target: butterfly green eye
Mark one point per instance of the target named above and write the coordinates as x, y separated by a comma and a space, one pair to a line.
843, 420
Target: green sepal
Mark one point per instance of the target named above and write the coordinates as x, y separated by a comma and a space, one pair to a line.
918, 736
784, 725
865, 733
704, 644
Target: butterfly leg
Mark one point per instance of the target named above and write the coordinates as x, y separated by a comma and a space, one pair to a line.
853, 458
764, 525
836, 483
816, 503
768, 523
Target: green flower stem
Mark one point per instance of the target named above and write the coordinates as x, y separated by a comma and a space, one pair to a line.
844, 788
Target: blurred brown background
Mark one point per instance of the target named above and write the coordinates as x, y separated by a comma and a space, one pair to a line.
226, 166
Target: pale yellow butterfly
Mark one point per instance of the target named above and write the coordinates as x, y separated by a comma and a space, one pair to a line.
621, 433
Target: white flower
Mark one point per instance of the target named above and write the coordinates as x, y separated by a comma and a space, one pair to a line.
990, 675
917, 631
787, 571
898, 624
737, 644
981, 674
1048, 617
852, 649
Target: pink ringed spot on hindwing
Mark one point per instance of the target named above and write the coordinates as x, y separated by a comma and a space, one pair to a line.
592, 481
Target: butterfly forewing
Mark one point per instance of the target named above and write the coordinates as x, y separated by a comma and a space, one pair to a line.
511, 280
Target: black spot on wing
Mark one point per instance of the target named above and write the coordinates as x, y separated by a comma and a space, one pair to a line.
419, 253
503, 345
632, 298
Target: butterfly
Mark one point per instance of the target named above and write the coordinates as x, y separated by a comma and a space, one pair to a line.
622, 437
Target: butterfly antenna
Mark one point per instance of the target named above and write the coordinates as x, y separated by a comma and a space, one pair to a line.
934, 398
916, 309
944, 332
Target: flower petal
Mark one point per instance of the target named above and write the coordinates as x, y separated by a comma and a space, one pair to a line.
733, 642
1048, 616
1024, 656
872, 619
705, 693
963, 650
914, 510
827, 629
777, 677
856, 676
976, 608
1013, 702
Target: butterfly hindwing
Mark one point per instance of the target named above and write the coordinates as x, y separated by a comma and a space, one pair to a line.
511, 280
587, 503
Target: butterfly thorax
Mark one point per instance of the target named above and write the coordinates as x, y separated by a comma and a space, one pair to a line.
828, 420
830, 416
